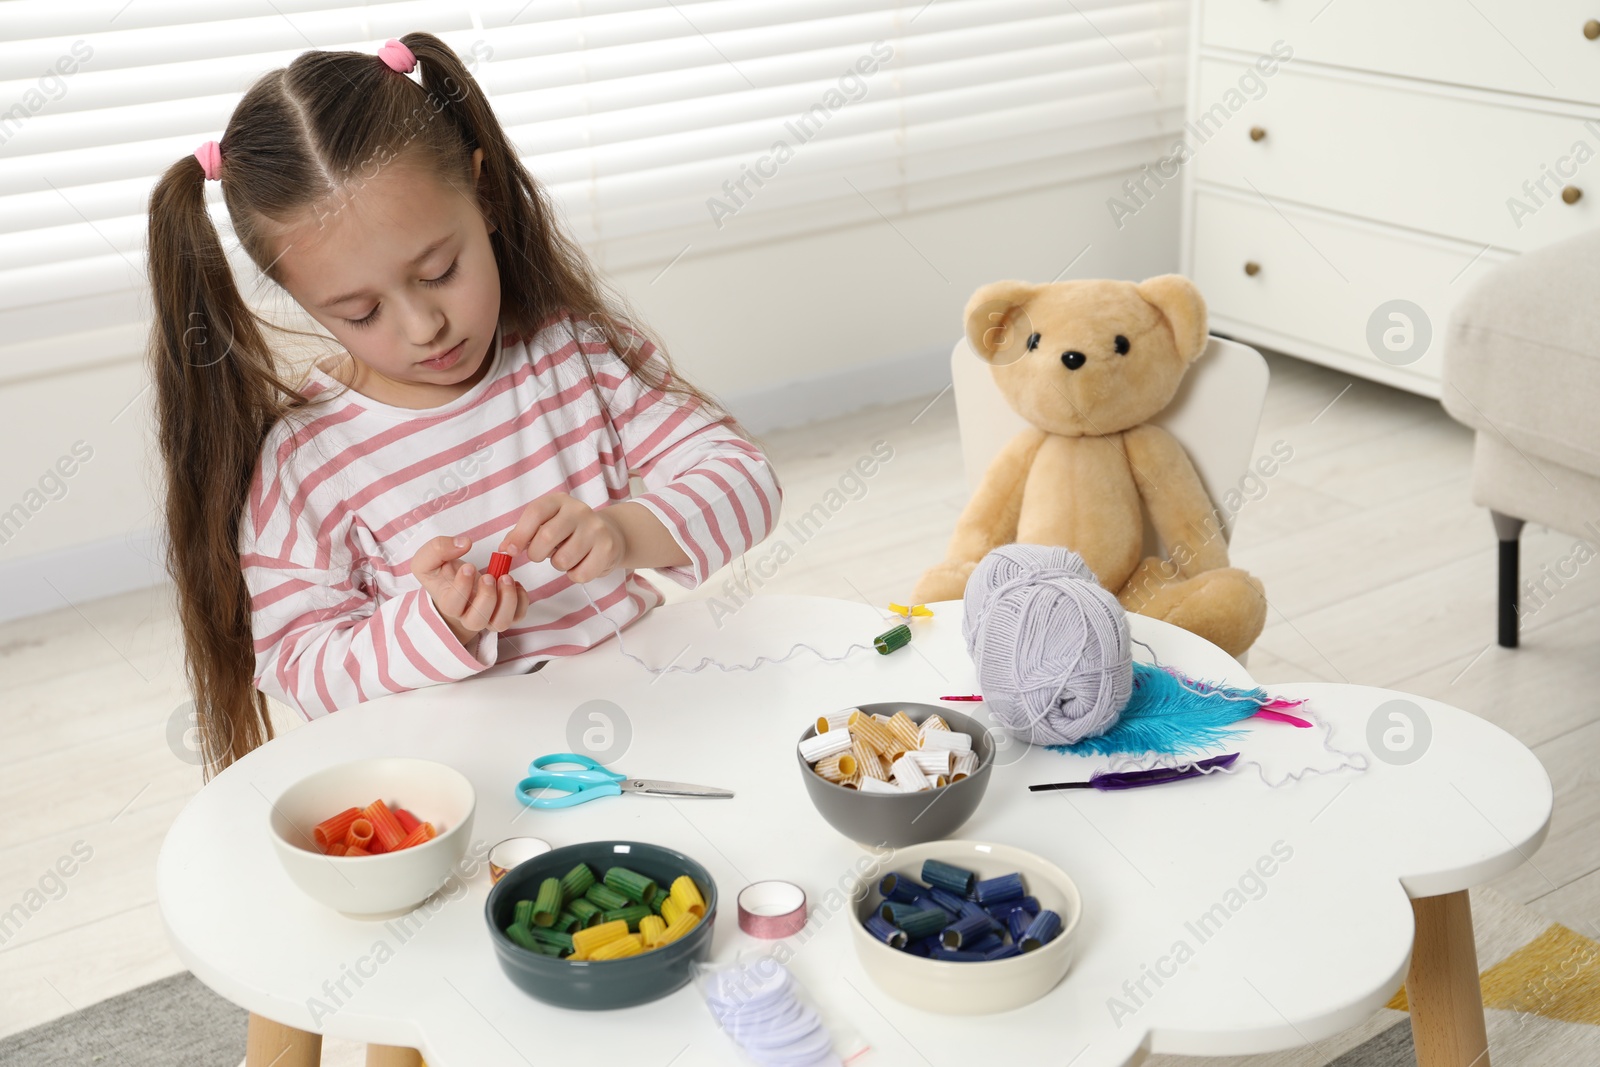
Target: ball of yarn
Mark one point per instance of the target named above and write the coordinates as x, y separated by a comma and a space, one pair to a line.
1051, 644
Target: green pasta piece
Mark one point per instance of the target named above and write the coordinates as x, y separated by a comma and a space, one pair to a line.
553, 938
522, 914
567, 922
548, 904
921, 923
522, 936
632, 913
631, 884
653, 899
576, 882
606, 898
587, 911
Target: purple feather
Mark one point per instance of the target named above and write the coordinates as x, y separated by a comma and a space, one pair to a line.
1110, 780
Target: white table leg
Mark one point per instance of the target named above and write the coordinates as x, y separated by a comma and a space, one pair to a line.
273, 1043
1442, 988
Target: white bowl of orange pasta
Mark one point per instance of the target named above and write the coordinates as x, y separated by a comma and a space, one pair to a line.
387, 883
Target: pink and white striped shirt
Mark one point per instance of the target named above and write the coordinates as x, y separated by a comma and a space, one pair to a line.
336, 513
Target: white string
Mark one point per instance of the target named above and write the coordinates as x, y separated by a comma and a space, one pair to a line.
707, 661
1151, 760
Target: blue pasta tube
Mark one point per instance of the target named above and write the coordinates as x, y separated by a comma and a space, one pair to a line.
924, 922
985, 944
944, 899
1003, 952
1045, 926
1017, 924
1003, 910
975, 909
895, 910
885, 931
948, 876
965, 929
956, 955
923, 946
896, 886
993, 890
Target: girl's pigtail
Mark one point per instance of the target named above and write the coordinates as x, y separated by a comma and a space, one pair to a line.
217, 395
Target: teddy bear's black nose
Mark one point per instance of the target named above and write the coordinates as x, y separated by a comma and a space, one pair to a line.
1074, 360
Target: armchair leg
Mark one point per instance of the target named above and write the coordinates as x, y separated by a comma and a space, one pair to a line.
1509, 531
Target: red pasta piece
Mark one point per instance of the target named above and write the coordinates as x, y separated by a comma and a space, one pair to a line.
408, 821
386, 830
423, 832
338, 848
328, 831
359, 834
356, 850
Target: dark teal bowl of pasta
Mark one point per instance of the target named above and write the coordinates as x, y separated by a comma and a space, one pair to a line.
598, 985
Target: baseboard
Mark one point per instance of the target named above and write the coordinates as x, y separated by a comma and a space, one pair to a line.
836, 393
50, 581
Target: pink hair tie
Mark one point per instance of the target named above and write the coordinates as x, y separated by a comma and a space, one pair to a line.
398, 56
210, 157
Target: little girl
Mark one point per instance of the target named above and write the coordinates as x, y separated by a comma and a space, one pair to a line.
490, 396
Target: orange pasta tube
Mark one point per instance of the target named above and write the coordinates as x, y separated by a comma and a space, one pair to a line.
359, 835
328, 831
867, 761
873, 734
337, 848
423, 832
386, 829
356, 850
904, 730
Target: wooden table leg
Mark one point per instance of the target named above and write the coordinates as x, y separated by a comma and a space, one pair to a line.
270, 1044
1442, 988
390, 1056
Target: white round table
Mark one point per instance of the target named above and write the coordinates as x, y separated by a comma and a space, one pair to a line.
1221, 916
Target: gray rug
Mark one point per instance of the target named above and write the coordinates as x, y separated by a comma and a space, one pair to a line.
176, 1022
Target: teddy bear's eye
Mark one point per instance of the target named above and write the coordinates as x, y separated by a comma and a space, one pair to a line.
1033, 341
1122, 345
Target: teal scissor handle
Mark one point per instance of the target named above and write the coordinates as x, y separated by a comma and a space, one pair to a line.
592, 782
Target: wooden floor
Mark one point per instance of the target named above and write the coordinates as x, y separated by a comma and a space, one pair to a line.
1379, 569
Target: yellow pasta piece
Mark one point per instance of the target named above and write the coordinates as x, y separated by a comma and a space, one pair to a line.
683, 925
670, 910
933, 722
621, 948
592, 938
872, 733
651, 927
867, 761
687, 894
837, 768
901, 726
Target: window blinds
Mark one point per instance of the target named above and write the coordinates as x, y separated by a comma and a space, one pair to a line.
661, 127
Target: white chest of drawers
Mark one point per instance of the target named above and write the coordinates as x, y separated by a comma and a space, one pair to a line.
1349, 166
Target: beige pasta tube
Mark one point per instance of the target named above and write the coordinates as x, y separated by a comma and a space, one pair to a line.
822, 746
867, 762
909, 777
932, 761
837, 768
837, 721
901, 726
874, 785
963, 765
954, 740
932, 722
873, 734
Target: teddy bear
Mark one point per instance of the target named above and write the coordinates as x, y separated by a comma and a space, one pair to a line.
1088, 363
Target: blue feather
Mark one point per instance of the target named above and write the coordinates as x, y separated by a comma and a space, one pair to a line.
1172, 714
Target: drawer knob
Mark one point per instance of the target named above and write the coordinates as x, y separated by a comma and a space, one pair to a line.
1257, 133
1591, 29
1252, 268
1571, 194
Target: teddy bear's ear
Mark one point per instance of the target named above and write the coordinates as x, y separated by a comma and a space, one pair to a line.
991, 311
1177, 298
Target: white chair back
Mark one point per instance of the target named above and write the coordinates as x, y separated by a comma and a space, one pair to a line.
1215, 416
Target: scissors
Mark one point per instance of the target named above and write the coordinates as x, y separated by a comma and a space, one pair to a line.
594, 782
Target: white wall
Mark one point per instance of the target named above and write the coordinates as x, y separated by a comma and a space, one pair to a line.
784, 333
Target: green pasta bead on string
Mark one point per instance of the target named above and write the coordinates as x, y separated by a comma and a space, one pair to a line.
606, 898
548, 903
630, 914
576, 882
630, 884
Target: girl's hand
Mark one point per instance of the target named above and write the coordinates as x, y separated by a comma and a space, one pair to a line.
469, 604
585, 543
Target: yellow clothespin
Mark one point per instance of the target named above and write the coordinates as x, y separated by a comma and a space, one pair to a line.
905, 611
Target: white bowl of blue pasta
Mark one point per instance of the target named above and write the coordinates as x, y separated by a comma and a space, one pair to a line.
972, 987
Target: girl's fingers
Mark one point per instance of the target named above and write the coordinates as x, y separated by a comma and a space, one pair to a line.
481, 610
552, 532
573, 551
435, 555
522, 604
506, 606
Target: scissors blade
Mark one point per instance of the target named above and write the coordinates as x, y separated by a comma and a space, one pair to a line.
654, 787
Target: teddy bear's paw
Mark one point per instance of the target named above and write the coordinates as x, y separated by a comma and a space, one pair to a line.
943, 581
1227, 607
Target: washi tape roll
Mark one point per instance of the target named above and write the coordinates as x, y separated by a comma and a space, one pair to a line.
772, 909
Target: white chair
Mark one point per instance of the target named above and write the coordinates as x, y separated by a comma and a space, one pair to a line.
1215, 416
